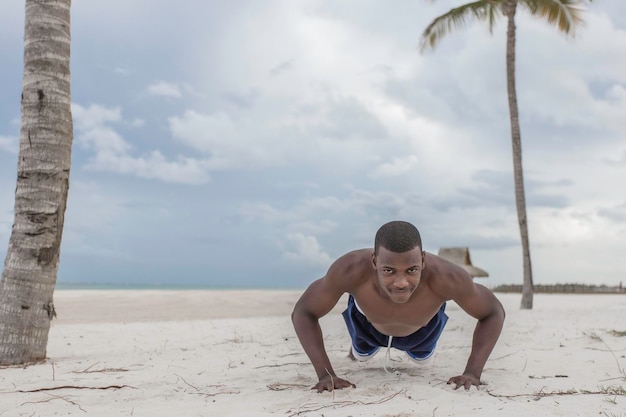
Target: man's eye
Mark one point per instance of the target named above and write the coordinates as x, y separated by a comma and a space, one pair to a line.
387, 271
413, 270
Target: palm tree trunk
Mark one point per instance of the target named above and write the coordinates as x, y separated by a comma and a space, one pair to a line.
32, 259
510, 8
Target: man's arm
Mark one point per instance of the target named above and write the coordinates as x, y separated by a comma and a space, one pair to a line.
315, 303
318, 299
480, 303
484, 306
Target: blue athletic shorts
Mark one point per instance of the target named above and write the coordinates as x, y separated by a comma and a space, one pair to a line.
366, 340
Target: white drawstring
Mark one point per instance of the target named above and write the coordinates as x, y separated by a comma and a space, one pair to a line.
388, 356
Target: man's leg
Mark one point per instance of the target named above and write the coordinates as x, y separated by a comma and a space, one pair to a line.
420, 346
427, 360
355, 355
364, 344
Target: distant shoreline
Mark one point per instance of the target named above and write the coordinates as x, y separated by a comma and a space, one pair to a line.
157, 286
505, 288
563, 289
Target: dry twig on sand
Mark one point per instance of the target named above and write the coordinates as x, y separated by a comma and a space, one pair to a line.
198, 391
340, 404
597, 338
74, 387
612, 390
88, 370
282, 387
277, 365
55, 397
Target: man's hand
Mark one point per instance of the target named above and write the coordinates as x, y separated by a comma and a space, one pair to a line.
329, 383
465, 380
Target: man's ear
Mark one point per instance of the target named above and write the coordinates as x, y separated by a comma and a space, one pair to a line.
374, 260
423, 259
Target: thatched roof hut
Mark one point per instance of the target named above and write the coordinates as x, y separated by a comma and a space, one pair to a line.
461, 257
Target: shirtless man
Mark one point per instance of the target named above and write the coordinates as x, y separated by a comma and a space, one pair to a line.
397, 299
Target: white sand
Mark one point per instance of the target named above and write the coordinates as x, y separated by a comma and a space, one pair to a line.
234, 353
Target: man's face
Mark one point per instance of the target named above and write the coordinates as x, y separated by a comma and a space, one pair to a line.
398, 274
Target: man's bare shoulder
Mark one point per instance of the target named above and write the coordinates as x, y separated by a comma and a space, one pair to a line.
444, 277
352, 268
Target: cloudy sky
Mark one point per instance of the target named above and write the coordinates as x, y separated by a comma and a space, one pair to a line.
249, 144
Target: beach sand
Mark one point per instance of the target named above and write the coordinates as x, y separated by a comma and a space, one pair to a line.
235, 353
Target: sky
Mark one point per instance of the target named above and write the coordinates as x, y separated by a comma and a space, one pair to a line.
249, 144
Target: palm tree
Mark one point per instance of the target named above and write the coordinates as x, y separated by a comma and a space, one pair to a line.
32, 259
565, 15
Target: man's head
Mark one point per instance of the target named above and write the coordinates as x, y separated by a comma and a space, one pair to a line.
398, 260
397, 236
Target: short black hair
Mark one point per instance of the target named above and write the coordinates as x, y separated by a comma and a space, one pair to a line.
397, 236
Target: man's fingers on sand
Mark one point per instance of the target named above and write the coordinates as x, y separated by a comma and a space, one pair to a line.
452, 381
320, 388
465, 383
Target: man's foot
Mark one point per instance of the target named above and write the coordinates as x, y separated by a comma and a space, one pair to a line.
357, 357
427, 362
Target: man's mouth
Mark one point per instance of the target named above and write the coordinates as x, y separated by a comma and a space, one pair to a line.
400, 291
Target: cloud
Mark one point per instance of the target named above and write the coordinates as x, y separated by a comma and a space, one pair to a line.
300, 248
397, 166
164, 89
204, 132
114, 154
121, 71
152, 166
117, 217
9, 144
94, 116
137, 122
496, 188
616, 213
346, 118
442, 217
335, 134
230, 144
282, 67
94, 132
562, 89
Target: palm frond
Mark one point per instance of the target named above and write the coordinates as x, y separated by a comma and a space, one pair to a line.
565, 15
458, 18
494, 12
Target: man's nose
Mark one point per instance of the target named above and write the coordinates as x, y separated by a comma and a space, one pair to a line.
401, 282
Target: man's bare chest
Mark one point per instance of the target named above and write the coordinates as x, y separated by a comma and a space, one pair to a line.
397, 319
